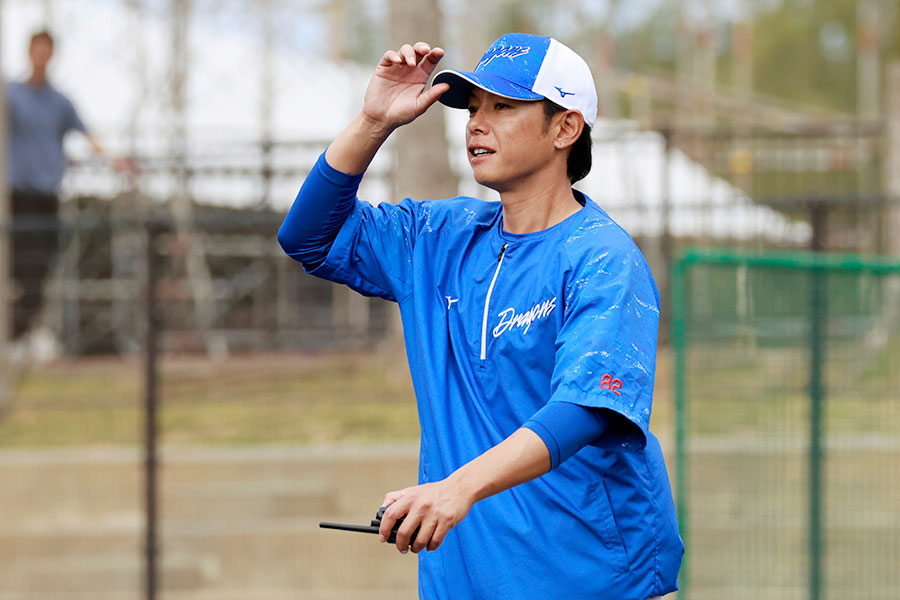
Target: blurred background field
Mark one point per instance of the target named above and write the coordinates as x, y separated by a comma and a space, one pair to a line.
259, 399
750, 128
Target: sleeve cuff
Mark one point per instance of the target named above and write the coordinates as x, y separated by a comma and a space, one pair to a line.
335, 177
547, 438
566, 428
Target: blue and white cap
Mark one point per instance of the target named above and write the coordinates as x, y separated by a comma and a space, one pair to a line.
522, 66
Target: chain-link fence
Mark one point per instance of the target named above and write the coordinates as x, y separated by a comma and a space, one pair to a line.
789, 425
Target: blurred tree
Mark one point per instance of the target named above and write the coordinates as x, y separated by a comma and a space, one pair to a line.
422, 166
355, 32
653, 44
806, 51
891, 19
803, 50
367, 39
516, 17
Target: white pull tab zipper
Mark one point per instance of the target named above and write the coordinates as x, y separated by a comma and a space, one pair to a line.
487, 302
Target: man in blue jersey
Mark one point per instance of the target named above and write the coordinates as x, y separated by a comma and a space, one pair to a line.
530, 327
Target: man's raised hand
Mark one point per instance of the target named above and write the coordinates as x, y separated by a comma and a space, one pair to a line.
396, 94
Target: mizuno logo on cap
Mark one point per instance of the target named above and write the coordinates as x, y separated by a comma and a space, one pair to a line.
509, 52
563, 94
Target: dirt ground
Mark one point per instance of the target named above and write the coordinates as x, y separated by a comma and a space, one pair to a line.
257, 449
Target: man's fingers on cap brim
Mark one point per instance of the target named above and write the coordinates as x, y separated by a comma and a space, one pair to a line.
432, 94
409, 54
435, 55
391, 57
430, 60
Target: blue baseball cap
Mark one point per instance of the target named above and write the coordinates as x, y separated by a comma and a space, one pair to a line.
522, 66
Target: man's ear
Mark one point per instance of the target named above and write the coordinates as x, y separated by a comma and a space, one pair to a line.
570, 126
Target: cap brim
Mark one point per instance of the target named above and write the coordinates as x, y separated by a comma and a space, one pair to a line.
461, 83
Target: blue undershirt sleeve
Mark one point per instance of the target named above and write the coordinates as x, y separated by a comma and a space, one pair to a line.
566, 428
324, 202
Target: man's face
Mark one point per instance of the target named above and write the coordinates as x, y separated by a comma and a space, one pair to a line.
507, 140
40, 52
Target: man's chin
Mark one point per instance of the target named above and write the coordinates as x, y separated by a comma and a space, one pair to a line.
489, 183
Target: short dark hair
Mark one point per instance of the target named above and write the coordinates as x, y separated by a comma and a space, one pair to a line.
41, 36
579, 164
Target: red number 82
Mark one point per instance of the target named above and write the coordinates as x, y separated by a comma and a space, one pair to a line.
608, 383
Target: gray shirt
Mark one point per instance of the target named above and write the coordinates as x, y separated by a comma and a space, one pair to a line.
39, 119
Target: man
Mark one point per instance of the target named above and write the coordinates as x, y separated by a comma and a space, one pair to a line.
39, 117
530, 328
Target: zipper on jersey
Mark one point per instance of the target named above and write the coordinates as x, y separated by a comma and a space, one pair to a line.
487, 302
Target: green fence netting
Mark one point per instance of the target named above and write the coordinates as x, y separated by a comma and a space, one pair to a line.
787, 383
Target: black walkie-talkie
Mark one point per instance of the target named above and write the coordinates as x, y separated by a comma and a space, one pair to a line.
373, 528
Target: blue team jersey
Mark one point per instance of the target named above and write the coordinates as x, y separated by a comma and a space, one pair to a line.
496, 325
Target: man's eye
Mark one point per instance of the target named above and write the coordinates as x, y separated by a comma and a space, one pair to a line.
501, 106
473, 110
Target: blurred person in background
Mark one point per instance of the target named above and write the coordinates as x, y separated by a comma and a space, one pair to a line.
39, 117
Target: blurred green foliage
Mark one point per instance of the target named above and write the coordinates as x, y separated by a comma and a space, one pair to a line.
803, 50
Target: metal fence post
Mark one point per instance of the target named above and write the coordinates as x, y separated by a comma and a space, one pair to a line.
816, 399
5, 295
151, 376
679, 345
818, 309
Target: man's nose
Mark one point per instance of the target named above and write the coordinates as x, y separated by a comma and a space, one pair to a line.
478, 123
